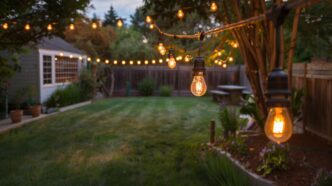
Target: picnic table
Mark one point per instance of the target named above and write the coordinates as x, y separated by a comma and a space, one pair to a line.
235, 92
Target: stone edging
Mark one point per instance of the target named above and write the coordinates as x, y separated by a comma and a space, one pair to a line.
254, 178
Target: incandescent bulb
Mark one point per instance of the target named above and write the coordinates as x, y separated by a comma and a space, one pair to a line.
278, 125
198, 86
119, 23
71, 26
171, 62
5, 26
27, 27
49, 27
213, 7
148, 19
94, 25
180, 14
151, 26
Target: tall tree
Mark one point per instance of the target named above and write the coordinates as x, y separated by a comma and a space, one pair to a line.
111, 17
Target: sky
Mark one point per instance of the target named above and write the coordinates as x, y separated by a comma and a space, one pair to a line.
124, 8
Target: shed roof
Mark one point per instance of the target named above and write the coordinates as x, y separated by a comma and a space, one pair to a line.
57, 43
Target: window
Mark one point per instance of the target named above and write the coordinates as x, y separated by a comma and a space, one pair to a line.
66, 69
47, 70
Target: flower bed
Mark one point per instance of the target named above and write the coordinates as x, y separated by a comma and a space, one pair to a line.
307, 156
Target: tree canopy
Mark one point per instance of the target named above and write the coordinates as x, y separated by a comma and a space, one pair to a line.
110, 17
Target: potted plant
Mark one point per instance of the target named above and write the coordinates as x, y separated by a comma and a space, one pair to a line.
33, 105
17, 113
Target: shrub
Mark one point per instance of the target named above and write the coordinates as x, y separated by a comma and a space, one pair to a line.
146, 87
71, 94
322, 178
165, 91
221, 171
87, 84
230, 120
274, 157
250, 107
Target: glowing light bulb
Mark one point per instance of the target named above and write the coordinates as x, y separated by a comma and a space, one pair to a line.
162, 49
119, 23
151, 26
71, 26
160, 60
216, 61
146, 62
178, 58
49, 27
61, 54
107, 61
98, 60
180, 14
94, 25
224, 65
27, 27
167, 59
213, 7
231, 59
70, 56
123, 62
219, 53
153, 61
138, 62
89, 59
278, 125
148, 19
80, 58
198, 86
115, 62
187, 58
235, 45
171, 63
131, 62
5, 26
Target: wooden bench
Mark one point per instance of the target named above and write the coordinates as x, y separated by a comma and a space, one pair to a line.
218, 95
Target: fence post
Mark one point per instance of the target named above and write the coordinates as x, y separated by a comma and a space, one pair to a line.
212, 132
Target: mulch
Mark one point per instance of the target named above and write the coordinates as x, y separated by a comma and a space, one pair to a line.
308, 154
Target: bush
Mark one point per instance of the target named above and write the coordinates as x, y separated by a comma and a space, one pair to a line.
230, 120
146, 87
250, 107
274, 157
322, 178
165, 91
87, 84
71, 94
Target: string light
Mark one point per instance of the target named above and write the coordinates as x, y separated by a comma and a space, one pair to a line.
151, 26
178, 58
198, 86
89, 59
71, 26
160, 60
219, 53
5, 26
231, 59
123, 62
94, 25
215, 61
98, 60
80, 58
153, 61
148, 19
213, 7
27, 27
107, 61
224, 65
180, 14
146, 62
161, 49
167, 59
235, 45
61, 54
115, 62
119, 23
70, 56
187, 58
131, 62
49, 27
138, 62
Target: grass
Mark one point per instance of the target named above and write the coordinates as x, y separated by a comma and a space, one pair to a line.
123, 141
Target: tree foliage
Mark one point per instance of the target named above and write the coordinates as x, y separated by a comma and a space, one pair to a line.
111, 17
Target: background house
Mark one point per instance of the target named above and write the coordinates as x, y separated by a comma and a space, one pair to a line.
52, 64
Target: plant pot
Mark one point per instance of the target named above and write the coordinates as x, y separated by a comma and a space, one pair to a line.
35, 110
16, 116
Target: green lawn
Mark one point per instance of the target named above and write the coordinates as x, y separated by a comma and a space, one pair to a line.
122, 141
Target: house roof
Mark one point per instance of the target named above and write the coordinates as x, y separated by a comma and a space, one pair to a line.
58, 44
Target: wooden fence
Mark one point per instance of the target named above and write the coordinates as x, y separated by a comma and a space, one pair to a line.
316, 80
179, 79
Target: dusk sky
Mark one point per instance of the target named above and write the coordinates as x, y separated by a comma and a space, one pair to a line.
124, 8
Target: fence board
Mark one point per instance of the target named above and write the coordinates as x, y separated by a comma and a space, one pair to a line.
316, 79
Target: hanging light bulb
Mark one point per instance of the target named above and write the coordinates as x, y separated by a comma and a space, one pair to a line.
123, 62
61, 54
235, 45
70, 56
107, 61
119, 23
131, 62
224, 65
94, 25
115, 62
219, 53
162, 49
151, 26
160, 60
80, 57
49, 27
231, 59
71, 26
139, 62
89, 59
278, 125
146, 62
213, 7
178, 58
171, 59
198, 86
187, 58
5, 26
27, 27
153, 62
148, 19
98, 60
167, 59
180, 14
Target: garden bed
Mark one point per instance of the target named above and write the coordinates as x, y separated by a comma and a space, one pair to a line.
308, 154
